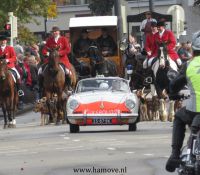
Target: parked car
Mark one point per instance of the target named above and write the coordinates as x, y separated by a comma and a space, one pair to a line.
103, 101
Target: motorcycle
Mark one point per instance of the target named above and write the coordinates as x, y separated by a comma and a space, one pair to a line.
190, 154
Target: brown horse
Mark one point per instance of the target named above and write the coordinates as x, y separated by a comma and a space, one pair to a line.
8, 95
54, 83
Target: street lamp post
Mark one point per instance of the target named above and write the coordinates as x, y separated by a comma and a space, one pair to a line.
151, 5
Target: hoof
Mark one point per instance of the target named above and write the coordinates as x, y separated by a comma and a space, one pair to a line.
5, 126
58, 123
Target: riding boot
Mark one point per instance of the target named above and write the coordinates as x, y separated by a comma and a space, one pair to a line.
19, 88
67, 76
40, 87
177, 142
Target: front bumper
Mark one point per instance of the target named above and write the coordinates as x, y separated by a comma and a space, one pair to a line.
105, 119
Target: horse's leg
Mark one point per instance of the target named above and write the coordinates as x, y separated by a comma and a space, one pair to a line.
171, 111
48, 102
163, 111
4, 116
59, 107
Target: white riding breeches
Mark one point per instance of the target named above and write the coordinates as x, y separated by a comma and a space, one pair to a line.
18, 75
172, 64
147, 62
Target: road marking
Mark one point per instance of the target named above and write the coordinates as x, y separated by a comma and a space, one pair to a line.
76, 140
13, 151
22, 153
66, 138
111, 148
129, 152
69, 147
148, 154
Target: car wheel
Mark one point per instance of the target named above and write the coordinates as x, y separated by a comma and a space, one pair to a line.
132, 127
74, 128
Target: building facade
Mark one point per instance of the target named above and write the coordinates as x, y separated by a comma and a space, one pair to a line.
185, 17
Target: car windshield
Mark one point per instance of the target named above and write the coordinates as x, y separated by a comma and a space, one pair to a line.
103, 84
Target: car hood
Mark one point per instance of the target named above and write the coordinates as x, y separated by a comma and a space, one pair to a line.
109, 102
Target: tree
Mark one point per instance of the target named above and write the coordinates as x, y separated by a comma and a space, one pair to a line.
26, 11
101, 7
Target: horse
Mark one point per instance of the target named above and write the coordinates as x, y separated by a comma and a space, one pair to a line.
164, 70
82, 67
54, 83
99, 64
137, 75
8, 95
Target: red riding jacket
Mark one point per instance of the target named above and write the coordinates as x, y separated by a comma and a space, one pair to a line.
150, 45
64, 49
10, 56
168, 37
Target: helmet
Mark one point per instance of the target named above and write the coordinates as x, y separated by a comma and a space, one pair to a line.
103, 86
196, 41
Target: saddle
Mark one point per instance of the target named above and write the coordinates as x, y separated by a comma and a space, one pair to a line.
14, 75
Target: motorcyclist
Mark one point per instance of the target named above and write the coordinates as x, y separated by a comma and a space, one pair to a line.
189, 75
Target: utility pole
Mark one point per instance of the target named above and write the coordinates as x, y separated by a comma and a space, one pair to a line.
151, 5
117, 8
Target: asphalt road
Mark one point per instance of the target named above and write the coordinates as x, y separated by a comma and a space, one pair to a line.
31, 149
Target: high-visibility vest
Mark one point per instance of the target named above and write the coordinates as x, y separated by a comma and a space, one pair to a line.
193, 79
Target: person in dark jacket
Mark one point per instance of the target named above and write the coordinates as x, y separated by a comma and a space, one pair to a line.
106, 43
82, 45
189, 75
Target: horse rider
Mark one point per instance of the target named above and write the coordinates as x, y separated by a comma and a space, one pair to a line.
145, 26
166, 36
106, 43
150, 46
189, 75
82, 45
10, 56
54, 41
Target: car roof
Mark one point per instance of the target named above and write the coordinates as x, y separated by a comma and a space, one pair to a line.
92, 21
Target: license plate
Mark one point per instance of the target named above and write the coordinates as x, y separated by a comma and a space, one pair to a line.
101, 121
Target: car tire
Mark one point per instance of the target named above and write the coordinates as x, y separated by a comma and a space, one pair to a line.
74, 128
132, 127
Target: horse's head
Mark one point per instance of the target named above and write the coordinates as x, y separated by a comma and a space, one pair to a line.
163, 55
94, 54
3, 69
53, 56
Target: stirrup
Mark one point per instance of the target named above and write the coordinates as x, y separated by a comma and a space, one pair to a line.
20, 93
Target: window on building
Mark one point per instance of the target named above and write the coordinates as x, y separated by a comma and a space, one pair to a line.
71, 2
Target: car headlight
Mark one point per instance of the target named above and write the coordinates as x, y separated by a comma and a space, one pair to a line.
73, 104
130, 104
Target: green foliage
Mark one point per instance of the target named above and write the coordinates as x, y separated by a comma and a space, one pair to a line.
26, 36
101, 7
25, 11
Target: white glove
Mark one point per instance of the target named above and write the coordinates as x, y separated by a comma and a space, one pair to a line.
47, 54
179, 62
7, 61
149, 53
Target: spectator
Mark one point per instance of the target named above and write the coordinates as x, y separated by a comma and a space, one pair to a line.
106, 43
24, 70
82, 45
145, 26
183, 52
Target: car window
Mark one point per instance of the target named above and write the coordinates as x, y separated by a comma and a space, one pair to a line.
103, 84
